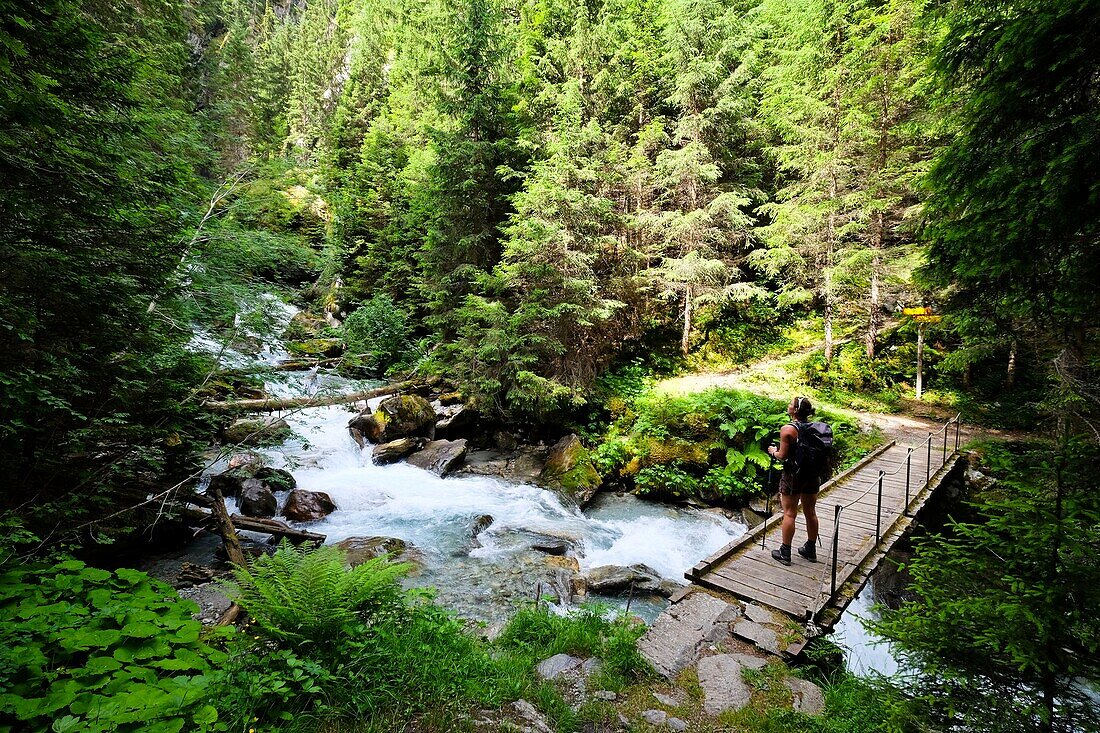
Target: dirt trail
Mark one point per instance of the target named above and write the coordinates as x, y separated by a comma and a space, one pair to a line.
778, 377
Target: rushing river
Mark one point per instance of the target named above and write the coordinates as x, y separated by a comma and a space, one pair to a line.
488, 578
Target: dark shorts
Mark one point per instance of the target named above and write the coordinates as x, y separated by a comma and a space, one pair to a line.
789, 486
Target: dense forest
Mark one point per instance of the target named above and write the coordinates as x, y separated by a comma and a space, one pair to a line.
545, 204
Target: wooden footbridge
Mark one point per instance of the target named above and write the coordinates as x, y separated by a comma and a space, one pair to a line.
862, 512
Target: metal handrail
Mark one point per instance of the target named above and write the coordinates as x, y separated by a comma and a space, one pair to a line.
878, 482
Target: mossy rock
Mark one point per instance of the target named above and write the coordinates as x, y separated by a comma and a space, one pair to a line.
317, 348
401, 416
305, 327
569, 471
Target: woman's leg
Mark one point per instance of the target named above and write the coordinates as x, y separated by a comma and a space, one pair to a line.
809, 509
790, 513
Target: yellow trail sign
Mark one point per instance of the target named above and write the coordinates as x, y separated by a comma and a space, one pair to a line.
923, 310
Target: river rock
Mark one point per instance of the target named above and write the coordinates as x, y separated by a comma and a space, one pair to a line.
256, 500
304, 326
257, 431
275, 479
308, 506
361, 549
480, 523
683, 630
807, 697
552, 547
536, 721
453, 419
557, 665
569, 471
522, 465
400, 416
565, 563
440, 456
450, 398
395, 450
316, 348
606, 578
723, 687
248, 461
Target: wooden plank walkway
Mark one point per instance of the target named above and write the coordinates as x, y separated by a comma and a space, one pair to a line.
806, 590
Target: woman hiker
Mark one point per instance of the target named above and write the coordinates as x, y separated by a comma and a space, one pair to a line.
793, 489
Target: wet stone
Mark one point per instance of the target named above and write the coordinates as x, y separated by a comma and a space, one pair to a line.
762, 636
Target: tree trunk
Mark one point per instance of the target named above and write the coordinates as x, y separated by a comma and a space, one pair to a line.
830, 234
920, 360
271, 405
685, 339
225, 526
874, 307
1010, 372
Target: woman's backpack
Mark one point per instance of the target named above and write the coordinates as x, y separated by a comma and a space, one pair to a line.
813, 451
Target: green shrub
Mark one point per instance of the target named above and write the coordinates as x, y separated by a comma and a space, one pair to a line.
83, 649
378, 332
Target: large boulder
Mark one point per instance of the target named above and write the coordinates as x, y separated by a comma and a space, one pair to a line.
569, 471
395, 450
257, 431
246, 467
361, 549
308, 506
617, 578
401, 416
521, 466
440, 456
304, 326
275, 479
256, 500
453, 419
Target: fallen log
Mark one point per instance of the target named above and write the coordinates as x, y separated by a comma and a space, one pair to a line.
272, 527
232, 546
290, 403
288, 365
275, 528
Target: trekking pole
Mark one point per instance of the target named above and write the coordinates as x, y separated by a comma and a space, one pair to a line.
878, 511
836, 539
767, 504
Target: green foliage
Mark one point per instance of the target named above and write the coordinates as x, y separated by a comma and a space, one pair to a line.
536, 633
1004, 624
378, 333
98, 184
298, 594
84, 649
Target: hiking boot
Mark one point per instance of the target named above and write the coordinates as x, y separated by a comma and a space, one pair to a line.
783, 554
808, 551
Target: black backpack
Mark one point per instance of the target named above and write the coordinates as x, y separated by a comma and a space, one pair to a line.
813, 450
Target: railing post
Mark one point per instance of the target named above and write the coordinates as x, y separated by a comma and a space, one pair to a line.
928, 461
878, 510
836, 540
958, 424
908, 467
943, 462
